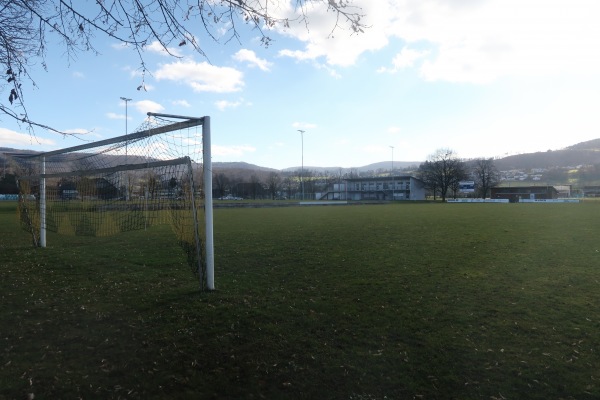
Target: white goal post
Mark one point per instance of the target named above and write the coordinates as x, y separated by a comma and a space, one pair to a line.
173, 190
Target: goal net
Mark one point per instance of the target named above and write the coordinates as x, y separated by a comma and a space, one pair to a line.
149, 177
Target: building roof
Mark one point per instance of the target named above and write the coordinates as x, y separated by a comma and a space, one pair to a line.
382, 178
524, 189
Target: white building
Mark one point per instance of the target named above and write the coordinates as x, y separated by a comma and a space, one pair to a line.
379, 188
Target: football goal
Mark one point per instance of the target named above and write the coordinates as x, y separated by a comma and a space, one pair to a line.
159, 174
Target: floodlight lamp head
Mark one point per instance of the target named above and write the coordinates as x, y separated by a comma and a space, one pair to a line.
301, 131
125, 99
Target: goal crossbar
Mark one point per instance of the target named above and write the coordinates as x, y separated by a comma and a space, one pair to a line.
109, 170
129, 137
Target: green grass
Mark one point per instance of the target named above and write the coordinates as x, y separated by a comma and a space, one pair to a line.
398, 301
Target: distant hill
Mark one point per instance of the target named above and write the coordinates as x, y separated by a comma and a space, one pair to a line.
589, 145
385, 165
240, 165
242, 171
10, 150
584, 153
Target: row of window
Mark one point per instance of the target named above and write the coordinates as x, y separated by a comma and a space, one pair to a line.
382, 186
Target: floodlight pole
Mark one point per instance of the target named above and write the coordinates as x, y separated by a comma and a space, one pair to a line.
302, 165
126, 100
392, 147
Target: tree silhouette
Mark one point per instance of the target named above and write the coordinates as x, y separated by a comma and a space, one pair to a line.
29, 28
442, 171
486, 175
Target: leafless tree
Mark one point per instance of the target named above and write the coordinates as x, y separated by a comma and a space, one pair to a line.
8, 184
461, 174
273, 184
442, 171
288, 185
29, 27
329, 178
254, 186
221, 184
353, 173
486, 175
427, 174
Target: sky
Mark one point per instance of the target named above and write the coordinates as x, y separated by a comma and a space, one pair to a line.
484, 78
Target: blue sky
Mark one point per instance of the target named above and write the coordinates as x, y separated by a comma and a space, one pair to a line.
486, 78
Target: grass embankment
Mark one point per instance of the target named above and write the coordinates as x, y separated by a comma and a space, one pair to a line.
369, 302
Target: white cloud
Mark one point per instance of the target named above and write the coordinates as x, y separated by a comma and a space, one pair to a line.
338, 46
146, 106
120, 46
78, 75
231, 150
245, 55
341, 141
461, 41
112, 115
202, 77
146, 88
11, 138
223, 104
486, 39
299, 54
331, 71
182, 103
405, 59
303, 125
276, 145
375, 149
552, 122
133, 72
156, 47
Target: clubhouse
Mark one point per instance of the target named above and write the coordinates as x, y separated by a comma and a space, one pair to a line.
378, 188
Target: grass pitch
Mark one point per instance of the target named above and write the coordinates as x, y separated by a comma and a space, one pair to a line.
399, 301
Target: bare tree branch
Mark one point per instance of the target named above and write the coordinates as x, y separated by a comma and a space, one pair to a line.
26, 25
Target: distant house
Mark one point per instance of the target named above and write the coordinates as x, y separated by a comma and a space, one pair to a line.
85, 188
591, 191
248, 190
105, 190
67, 191
378, 188
516, 193
564, 191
